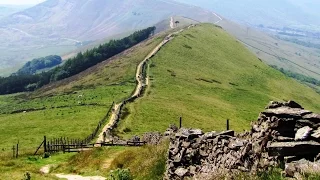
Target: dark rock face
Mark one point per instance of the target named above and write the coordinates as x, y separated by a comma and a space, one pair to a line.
283, 129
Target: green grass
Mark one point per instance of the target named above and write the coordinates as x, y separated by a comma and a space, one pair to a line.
63, 112
90, 163
147, 162
206, 76
16, 168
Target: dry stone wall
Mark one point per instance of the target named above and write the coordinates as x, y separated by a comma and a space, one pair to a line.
284, 132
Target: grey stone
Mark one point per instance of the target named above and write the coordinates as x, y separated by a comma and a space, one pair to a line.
290, 170
181, 172
226, 133
286, 112
236, 144
316, 133
314, 117
293, 148
193, 169
303, 133
186, 144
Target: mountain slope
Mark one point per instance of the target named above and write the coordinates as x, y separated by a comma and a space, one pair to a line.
273, 51
280, 13
6, 10
206, 76
59, 26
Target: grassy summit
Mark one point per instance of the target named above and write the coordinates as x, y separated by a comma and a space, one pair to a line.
207, 76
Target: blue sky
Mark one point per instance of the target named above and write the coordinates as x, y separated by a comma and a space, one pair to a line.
20, 2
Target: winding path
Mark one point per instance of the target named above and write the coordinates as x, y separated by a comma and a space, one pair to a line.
142, 82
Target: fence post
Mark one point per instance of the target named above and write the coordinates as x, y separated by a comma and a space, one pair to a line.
45, 144
17, 151
13, 151
228, 125
180, 123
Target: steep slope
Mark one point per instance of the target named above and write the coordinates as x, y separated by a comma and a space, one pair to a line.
273, 51
59, 26
206, 76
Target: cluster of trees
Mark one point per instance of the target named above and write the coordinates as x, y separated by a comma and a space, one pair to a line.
31, 67
26, 82
298, 76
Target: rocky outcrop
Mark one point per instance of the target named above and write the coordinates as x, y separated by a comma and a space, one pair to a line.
283, 130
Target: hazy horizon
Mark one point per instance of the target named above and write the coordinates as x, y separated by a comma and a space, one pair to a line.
20, 2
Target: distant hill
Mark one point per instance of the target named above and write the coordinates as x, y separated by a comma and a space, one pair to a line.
6, 10
59, 26
280, 13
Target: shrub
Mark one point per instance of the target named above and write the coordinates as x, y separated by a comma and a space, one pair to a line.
120, 174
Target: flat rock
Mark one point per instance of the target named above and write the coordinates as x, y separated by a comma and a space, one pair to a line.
286, 112
293, 148
226, 133
303, 133
314, 117
304, 166
183, 132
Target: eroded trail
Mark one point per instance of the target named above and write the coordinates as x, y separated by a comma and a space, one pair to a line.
78, 177
142, 82
171, 23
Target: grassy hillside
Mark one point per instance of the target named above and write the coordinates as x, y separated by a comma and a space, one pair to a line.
273, 51
38, 31
71, 107
207, 76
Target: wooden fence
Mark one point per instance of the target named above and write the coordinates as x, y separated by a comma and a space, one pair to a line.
64, 145
60, 144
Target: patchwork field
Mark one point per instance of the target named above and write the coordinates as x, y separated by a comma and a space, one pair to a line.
72, 107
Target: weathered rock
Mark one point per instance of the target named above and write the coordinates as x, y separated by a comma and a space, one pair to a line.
316, 133
272, 137
293, 148
185, 133
302, 166
293, 104
290, 170
152, 138
181, 172
303, 133
286, 112
313, 117
226, 133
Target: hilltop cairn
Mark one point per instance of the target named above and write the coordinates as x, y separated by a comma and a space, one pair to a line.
284, 132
